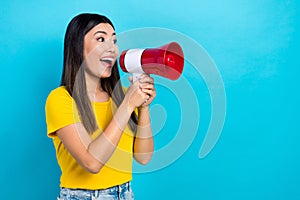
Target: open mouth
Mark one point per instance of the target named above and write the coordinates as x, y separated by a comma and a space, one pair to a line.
108, 61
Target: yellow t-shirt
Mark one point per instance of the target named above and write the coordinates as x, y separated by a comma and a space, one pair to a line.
61, 111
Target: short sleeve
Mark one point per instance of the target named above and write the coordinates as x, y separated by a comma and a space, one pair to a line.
60, 110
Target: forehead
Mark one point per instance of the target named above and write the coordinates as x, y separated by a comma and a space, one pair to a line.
102, 27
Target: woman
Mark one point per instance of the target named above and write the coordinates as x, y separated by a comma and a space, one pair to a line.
93, 124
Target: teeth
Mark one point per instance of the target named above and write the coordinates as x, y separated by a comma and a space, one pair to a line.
107, 59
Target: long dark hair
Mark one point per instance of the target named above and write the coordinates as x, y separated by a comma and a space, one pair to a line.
73, 74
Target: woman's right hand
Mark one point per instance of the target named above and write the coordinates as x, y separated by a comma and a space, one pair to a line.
134, 96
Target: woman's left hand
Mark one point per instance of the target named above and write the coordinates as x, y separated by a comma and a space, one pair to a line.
147, 86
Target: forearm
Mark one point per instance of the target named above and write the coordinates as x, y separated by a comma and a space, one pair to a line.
143, 143
105, 144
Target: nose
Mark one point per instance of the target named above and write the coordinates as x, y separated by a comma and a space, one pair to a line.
111, 47
111, 50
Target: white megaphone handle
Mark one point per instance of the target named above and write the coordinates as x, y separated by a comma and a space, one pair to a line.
136, 76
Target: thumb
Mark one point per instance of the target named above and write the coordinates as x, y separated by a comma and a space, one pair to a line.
130, 79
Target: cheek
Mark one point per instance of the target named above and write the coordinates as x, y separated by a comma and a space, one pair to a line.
87, 52
117, 50
88, 48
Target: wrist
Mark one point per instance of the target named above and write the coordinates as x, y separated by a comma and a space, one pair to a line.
128, 106
143, 108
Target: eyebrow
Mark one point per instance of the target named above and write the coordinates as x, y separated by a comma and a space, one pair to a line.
104, 33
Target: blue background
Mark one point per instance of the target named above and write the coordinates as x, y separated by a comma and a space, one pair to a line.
255, 45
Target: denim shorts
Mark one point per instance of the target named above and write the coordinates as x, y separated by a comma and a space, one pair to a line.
119, 192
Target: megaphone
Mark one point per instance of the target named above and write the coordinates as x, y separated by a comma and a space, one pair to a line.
166, 61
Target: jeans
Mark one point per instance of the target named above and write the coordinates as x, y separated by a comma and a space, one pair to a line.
119, 192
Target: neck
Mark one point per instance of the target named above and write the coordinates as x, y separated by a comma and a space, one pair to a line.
92, 85
94, 90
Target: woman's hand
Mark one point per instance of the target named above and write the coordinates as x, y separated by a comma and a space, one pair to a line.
134, 96
146, 84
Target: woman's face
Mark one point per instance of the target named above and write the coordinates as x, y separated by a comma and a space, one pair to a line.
100, 50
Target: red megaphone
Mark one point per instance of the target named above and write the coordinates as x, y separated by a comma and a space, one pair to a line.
166, 61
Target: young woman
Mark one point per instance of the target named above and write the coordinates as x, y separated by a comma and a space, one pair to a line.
92, 121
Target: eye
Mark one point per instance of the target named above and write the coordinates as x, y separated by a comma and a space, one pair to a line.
100, 39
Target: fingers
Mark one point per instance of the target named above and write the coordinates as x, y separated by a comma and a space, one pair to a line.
143, 90
148, 101
146, 82
145, 78
149, 92
148, 89
148, 86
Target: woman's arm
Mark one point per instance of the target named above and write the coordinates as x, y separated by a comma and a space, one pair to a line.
143, 143
93, 154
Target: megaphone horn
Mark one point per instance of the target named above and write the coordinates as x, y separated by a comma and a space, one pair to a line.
166, 61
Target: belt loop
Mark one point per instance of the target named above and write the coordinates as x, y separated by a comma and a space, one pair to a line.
119, 189
95, 194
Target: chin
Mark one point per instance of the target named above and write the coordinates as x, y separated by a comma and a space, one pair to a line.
106, 74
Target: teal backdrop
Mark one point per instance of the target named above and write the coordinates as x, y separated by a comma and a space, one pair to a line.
255, 46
